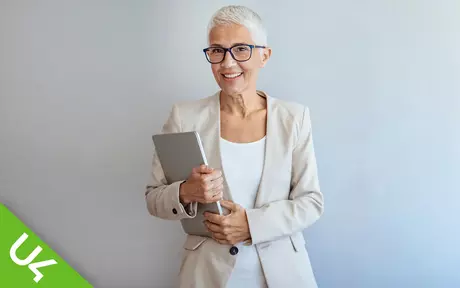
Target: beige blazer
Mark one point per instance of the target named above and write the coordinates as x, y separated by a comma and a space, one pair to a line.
289, 198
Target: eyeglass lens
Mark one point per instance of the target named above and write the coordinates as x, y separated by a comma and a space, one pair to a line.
240, 53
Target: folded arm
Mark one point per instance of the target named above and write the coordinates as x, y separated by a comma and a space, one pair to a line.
305, 204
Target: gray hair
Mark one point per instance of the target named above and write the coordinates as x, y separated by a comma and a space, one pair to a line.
240, 15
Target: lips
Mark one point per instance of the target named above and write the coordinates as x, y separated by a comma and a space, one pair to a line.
232, 75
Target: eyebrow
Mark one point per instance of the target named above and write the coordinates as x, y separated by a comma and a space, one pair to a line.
219, 45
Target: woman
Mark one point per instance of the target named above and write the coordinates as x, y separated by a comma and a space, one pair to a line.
261, 162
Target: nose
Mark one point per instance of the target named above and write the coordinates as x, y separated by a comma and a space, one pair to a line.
228, 60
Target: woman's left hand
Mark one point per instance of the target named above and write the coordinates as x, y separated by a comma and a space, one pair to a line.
229, 229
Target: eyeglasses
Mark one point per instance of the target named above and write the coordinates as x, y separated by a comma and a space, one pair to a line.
239, 52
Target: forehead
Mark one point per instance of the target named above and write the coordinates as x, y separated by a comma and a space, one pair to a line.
227, 35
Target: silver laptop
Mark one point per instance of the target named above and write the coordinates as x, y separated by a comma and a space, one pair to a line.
179, 153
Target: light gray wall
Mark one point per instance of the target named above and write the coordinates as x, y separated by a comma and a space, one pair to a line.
84, 84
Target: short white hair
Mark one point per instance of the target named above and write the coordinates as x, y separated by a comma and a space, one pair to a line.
240, 15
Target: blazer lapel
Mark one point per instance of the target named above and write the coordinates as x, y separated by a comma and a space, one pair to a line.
210, 136
270, 145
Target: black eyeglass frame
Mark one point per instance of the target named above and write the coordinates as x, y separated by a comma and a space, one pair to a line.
205, 50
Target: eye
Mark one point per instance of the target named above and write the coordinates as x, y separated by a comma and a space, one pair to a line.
216, 50
242, 48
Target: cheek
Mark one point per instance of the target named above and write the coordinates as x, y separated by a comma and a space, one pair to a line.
215, 70
248, 71
249, 66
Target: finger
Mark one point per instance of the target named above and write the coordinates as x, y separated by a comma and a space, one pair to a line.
216, 197
196, 170
214, 218
219, 236
216, 174
207, 179
212, 177
211, 191
213, 227
217, 181
215, 191
232, 206
220, 241
241, 236
218, 189
213, 184
211, 196
203, 169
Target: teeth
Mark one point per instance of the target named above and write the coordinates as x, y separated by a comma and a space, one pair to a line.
232, 75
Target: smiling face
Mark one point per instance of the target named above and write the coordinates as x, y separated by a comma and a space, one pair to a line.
235, 77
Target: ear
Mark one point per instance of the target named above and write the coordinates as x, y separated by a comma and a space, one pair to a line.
265, 55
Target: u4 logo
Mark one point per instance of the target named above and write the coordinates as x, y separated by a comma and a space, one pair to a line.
28, 261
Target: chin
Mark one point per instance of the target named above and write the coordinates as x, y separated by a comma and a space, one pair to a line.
232, 91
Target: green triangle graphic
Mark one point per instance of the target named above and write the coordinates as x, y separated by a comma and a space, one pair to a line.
26, 261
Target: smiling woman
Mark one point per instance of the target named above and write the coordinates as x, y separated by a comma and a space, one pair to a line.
237, 72
261, 163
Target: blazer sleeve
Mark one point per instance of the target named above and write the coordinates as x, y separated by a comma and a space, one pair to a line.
162, 199
305, 204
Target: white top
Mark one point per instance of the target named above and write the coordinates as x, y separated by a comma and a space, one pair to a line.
243, 164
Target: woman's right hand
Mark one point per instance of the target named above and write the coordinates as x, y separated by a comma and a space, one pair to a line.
204, 185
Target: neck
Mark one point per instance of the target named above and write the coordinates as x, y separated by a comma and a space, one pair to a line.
241, 104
